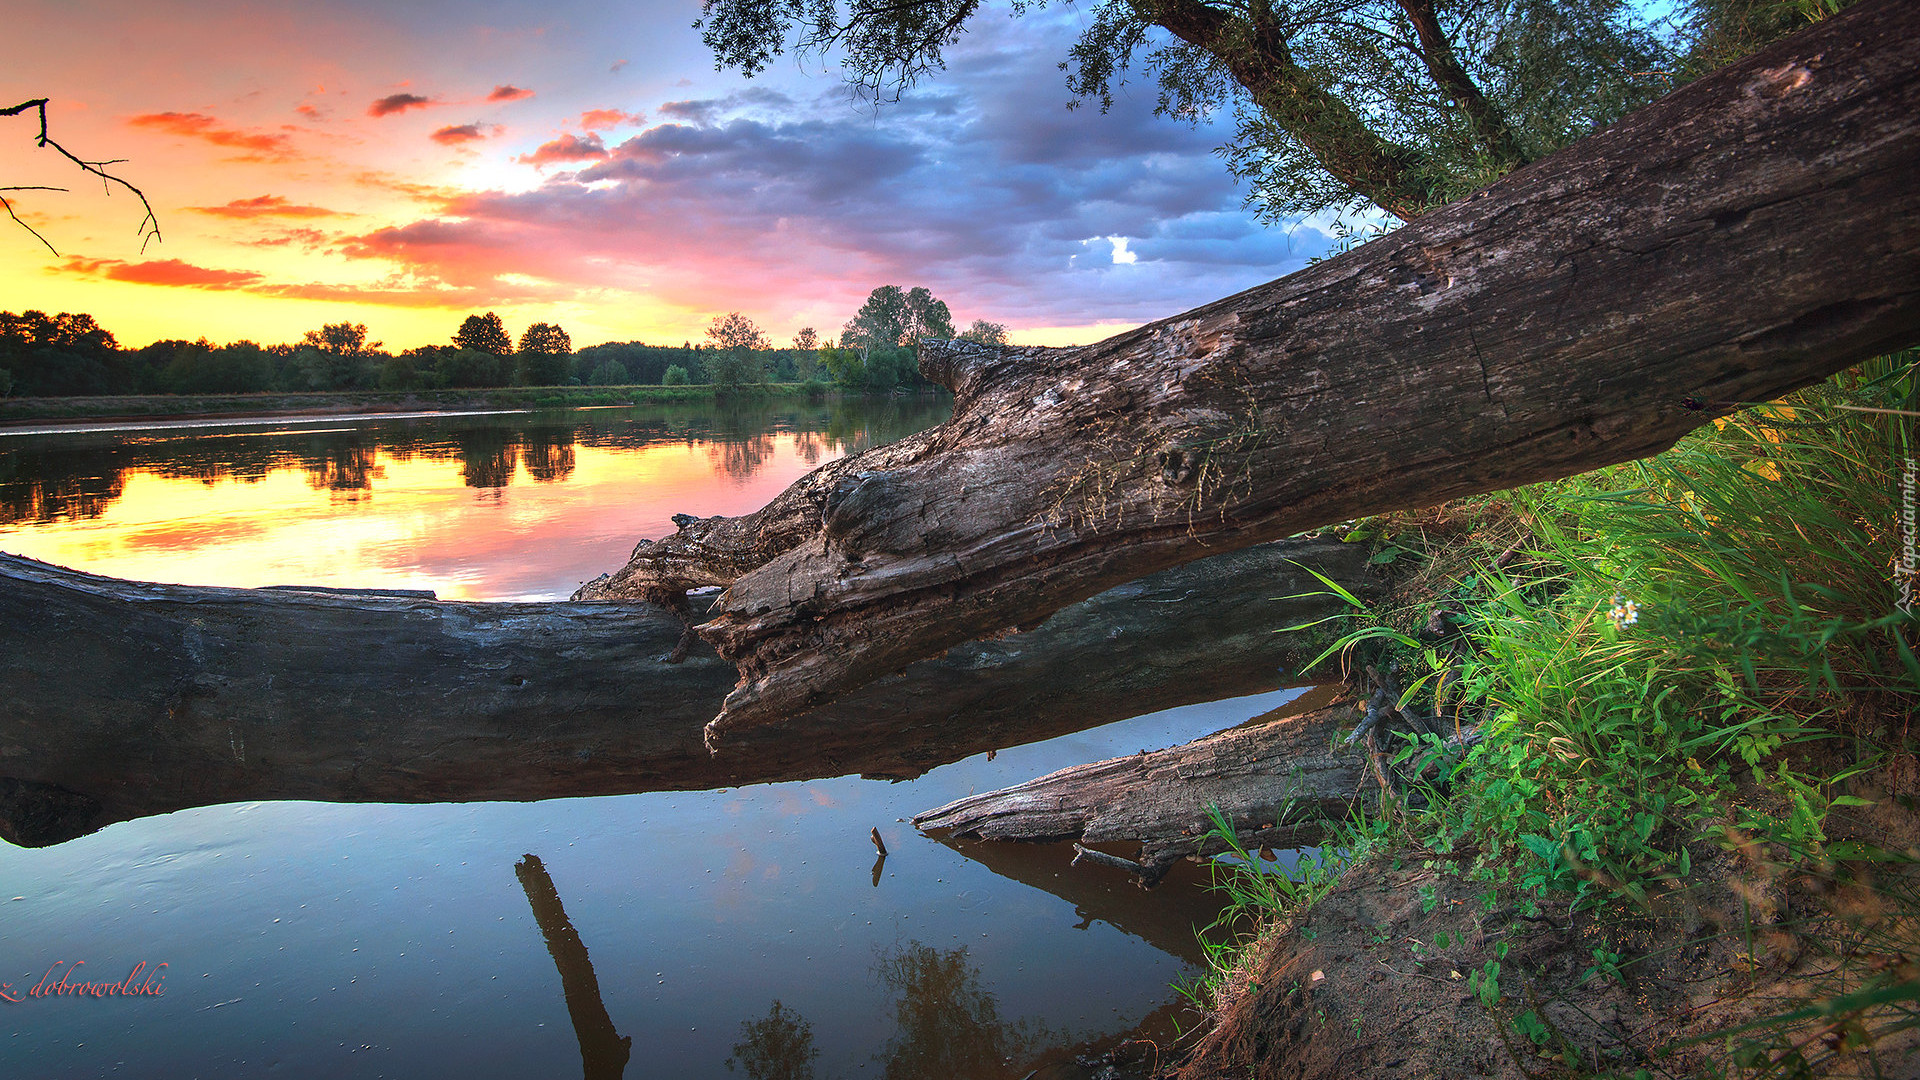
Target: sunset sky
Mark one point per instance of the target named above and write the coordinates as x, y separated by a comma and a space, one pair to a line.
405, 164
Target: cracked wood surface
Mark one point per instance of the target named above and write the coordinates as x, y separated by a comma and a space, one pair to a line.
125, 699
1742, 237
1277, 780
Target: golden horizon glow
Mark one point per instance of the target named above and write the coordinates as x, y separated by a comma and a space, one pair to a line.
419, 526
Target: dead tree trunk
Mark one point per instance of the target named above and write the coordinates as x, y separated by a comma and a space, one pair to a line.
124, 699
1276, 782
1744, 236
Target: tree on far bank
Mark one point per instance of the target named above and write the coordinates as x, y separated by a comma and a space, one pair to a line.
484, 333
340, 339
926, 317
986, 333
736, 361
53, 355
337, 356
881, 321
806, 339
893, 316
543, 359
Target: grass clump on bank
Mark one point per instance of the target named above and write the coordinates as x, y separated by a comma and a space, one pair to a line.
1690, 673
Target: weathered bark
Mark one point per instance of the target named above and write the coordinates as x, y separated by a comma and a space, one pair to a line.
125, 699
1277, 781
1742, 237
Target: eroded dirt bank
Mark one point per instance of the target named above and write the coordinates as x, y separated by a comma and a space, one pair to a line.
1387, 974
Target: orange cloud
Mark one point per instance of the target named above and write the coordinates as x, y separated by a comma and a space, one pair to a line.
407, 291
201, 126
264, 206
509, 93
397, 103
458, 134
164, 272
566, 148
601, 119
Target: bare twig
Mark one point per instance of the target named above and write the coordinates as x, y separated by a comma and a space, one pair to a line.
149, 229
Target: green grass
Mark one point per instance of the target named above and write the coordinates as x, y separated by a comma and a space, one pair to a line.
1686, 654
1257, 891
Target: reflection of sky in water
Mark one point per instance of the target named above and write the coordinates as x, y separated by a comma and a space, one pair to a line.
479, 508
308, 939
341, 940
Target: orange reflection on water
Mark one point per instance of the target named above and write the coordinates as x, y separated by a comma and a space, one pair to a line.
377, 518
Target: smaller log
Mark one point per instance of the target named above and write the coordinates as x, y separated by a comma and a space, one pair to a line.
1276, 780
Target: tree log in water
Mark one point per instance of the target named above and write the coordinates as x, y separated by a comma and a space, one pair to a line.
1276, 781
125, 699
1746, 235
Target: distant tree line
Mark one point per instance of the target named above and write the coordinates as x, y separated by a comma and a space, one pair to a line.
876, 350
72, 355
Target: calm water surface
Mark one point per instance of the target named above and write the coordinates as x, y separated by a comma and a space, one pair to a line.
745, 932
519, 506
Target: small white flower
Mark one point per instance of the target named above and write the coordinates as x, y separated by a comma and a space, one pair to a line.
1624, 613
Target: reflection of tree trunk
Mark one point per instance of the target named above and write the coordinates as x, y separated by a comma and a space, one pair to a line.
488, 457
1164, 918
549, 454
1744, 236
603, 1051
126, 699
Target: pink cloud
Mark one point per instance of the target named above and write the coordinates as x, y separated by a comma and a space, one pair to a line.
566, 148
264, 206
263, 146
509, 92
602, 119
460, 134
398, 103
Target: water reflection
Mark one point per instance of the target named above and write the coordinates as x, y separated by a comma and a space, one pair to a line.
549, 454
949, 1025
79, 474
342, 469
603, 1051
778, 1046
739, 459
1163, 917
43, 487
476, 506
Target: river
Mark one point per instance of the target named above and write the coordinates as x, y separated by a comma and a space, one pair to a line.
744, 932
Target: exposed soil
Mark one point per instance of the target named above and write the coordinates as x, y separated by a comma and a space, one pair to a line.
1380, 977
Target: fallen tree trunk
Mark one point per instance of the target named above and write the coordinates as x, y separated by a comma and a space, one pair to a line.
1742, 237
1276, 781
125, 699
